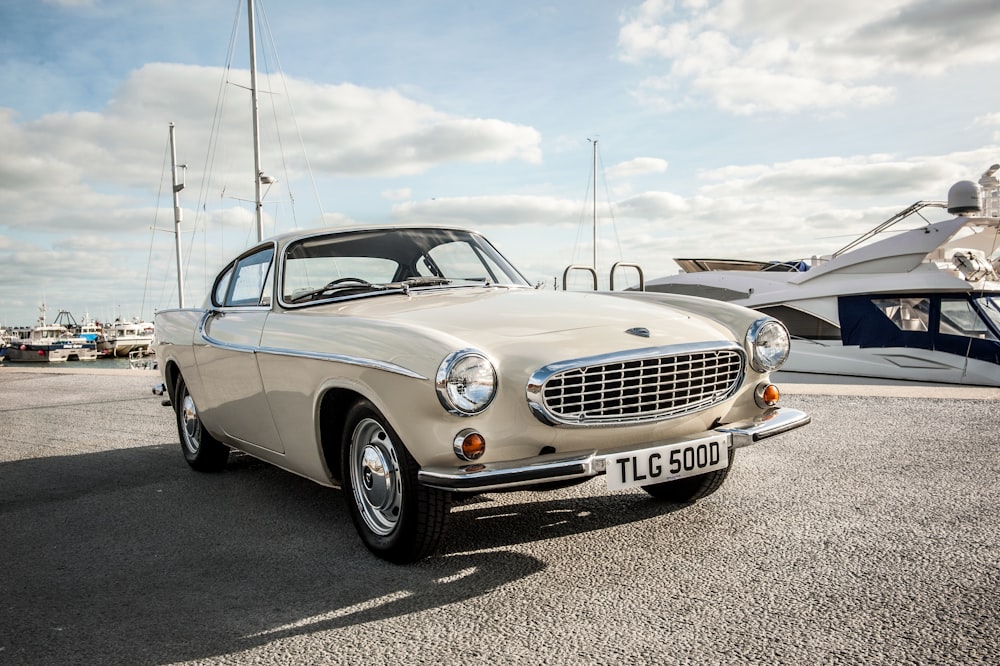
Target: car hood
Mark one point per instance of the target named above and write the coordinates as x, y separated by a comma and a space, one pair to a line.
521, 329
494, 315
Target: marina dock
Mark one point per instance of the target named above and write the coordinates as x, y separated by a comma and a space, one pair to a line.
871, 536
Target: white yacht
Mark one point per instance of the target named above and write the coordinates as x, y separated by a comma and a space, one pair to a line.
126, 337
920, 305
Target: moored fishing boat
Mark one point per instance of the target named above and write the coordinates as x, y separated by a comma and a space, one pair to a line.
49, 343
4, 343
94, 332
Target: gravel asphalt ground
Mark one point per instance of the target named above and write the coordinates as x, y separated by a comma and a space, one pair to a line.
872, 536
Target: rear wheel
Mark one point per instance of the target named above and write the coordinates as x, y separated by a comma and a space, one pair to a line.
691, 488
201, 451
398, 518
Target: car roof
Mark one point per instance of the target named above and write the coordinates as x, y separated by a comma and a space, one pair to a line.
287, 237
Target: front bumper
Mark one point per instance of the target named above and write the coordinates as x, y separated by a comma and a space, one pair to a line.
549, 468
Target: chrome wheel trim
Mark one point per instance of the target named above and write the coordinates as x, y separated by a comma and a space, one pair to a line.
192, 426
375, 478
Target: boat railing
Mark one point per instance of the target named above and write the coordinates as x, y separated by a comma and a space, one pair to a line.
576, 267
901, 215
592, 272
142, 359
622, 264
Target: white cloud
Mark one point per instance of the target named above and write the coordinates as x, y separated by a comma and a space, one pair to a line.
786, 210
362, 131
753, 56
479, 212
858, 179
73, 157
400, 194
637, 167
651, 206
79, 188
988, 120
75, 186
338, 220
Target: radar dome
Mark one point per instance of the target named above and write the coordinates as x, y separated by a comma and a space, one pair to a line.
963, 198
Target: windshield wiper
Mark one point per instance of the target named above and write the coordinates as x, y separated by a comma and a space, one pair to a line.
340, 284
422, 281
364, 286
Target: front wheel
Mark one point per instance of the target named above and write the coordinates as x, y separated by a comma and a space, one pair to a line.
691, 488
201, 451
398, 518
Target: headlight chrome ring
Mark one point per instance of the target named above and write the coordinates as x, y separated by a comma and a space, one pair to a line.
466, 382
768, 344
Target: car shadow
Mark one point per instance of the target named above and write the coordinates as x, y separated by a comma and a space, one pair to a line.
128, 556
192, 566
498, 520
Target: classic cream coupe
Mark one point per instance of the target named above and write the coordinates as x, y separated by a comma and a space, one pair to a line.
409, 364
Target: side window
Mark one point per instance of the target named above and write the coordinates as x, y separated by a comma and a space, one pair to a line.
222, 287
991, 309
802, 324
265, 296
908, 314
958, 317
250, 274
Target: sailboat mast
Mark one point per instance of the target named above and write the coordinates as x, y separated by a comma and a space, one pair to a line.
256, 123
177, 187
595, 206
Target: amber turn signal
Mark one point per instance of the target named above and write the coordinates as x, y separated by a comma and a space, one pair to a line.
767, 395
469, 445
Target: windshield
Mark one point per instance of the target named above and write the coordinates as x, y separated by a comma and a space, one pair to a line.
991, 308
355, 263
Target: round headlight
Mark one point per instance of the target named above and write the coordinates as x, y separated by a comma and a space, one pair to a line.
768, 344
466, 382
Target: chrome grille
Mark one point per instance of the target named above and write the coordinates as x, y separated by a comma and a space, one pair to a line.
636, 387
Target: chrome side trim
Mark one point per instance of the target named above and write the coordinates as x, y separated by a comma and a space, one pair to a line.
295, 353
479, 477
341, 358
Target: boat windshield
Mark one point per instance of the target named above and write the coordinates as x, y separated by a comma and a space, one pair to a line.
374, 261
990, 307
959, 317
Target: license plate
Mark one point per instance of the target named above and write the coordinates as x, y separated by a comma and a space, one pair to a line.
660, 464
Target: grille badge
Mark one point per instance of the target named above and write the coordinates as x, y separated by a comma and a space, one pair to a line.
639, 331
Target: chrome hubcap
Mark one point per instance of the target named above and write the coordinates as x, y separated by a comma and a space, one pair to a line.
192, 426
375, 477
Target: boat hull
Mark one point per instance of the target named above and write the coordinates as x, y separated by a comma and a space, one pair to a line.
41, 354
896, 363
123, 348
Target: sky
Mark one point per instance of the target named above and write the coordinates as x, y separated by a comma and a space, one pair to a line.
756, 129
